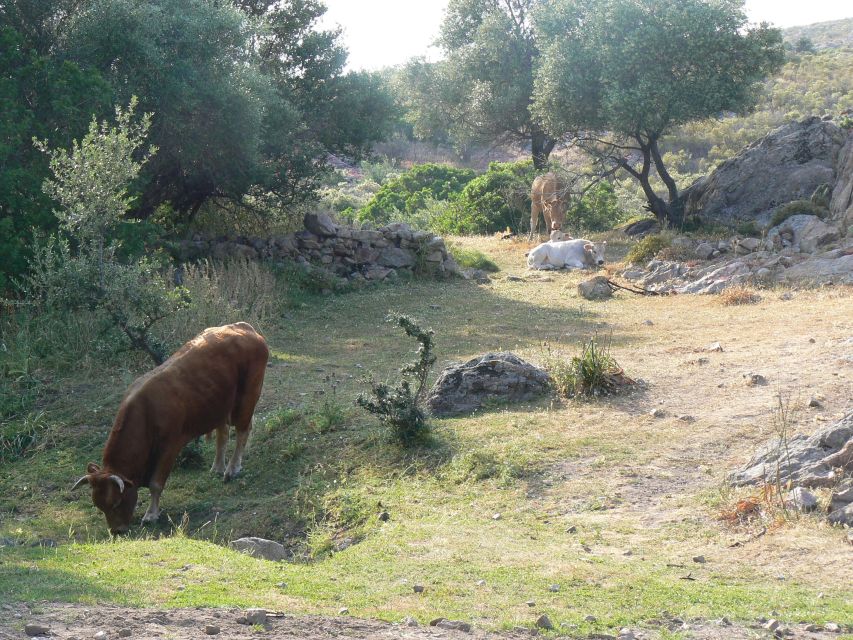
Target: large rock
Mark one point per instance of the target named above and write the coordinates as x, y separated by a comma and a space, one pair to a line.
805, 461
803, 233
835, 267
493, 377
320, 224
787, 164
260, 548
396, 257
841, 204
597, 288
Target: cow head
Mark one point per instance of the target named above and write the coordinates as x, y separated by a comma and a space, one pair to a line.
111, 493
595, 253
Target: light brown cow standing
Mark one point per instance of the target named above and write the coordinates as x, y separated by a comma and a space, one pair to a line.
548, 196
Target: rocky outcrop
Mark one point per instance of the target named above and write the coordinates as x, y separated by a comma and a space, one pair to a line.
348, 253
802, 233
491, 378
800, 460
841, 204
788, 164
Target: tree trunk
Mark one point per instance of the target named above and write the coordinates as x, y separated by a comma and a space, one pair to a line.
541, 147
674, 208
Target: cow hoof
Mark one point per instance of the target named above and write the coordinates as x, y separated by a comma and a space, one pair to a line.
218, 470
150, 519
229, 475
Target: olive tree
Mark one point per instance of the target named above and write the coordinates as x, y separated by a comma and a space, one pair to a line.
621, 74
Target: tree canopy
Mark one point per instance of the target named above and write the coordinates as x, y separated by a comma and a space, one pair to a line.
622, 73
482, 91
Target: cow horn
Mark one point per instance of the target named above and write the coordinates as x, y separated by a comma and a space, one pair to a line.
118, 481
83, 480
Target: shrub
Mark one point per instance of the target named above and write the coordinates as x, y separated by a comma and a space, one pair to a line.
798, 207
648, 248
595, 372
399, 407
409, 192
495, 200
597, 210
749, 229
738, 295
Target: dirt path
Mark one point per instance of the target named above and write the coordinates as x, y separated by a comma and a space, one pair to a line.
83, 621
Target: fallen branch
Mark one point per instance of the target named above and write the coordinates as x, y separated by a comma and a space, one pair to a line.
642, 292
740, 543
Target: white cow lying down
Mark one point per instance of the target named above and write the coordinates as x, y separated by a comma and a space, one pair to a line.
569, 254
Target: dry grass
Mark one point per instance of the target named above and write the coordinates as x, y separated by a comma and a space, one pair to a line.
739, 295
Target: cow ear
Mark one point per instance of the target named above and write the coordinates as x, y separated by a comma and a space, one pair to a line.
92, 468
588, 246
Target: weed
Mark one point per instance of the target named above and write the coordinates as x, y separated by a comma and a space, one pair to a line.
748, 228
398, 407
331, 413
738, 295
21, 437
595, 372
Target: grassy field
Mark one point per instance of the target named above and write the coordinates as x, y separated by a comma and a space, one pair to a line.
584, 508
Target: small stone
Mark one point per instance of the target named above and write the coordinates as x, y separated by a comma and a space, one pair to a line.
787, 296
418, 588
33, 629
572, 529
530, 603
699, 559
657, 413
813, 628
481, 583
281, 585
714, 346
554, 588
771, 625
627, 552
724, 622
754, 379
590, 619
253, 616
496, 516
626, 634
801, 499
687, 418
211, 629
124, 633
454, 625
648, 323
544, 622
101, 635
409, 621
343, 611
384, 516
832, 627
814, 402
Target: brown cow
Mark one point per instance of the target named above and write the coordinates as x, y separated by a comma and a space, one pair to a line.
214, 380
548, 196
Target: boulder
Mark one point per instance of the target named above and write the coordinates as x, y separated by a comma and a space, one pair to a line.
493, 377
396, 258
260, 548
805, 461
597, 288
705, 250
803, 233
841, 204
842, 495
788, 164
832, 267
320, 224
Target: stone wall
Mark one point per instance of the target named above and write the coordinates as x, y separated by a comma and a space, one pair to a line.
349, 253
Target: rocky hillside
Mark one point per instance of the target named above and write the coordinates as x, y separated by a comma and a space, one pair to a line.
834, 34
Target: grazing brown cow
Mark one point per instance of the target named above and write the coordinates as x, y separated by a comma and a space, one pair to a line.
548, 196
214, 380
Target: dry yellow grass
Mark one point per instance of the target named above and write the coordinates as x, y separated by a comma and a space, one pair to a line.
739, 295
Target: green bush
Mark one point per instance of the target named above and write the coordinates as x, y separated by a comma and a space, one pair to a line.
496, 200
748, 228
406, 194
399, 407
647, 248
798, 207
597, 210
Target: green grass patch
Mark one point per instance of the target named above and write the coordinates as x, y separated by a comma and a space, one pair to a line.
469, 258
648, 248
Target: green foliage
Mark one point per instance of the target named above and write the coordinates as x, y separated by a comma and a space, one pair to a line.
822, 196
399, 407
640, 69
473, 259
496, 200
597, 210
90, 182
410, 191
595, 372
20, 437
44, 97
748, 228
648, 248
798, 207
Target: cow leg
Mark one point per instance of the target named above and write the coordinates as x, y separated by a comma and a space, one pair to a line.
221, 440
535, 208
158, 482
235, 465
